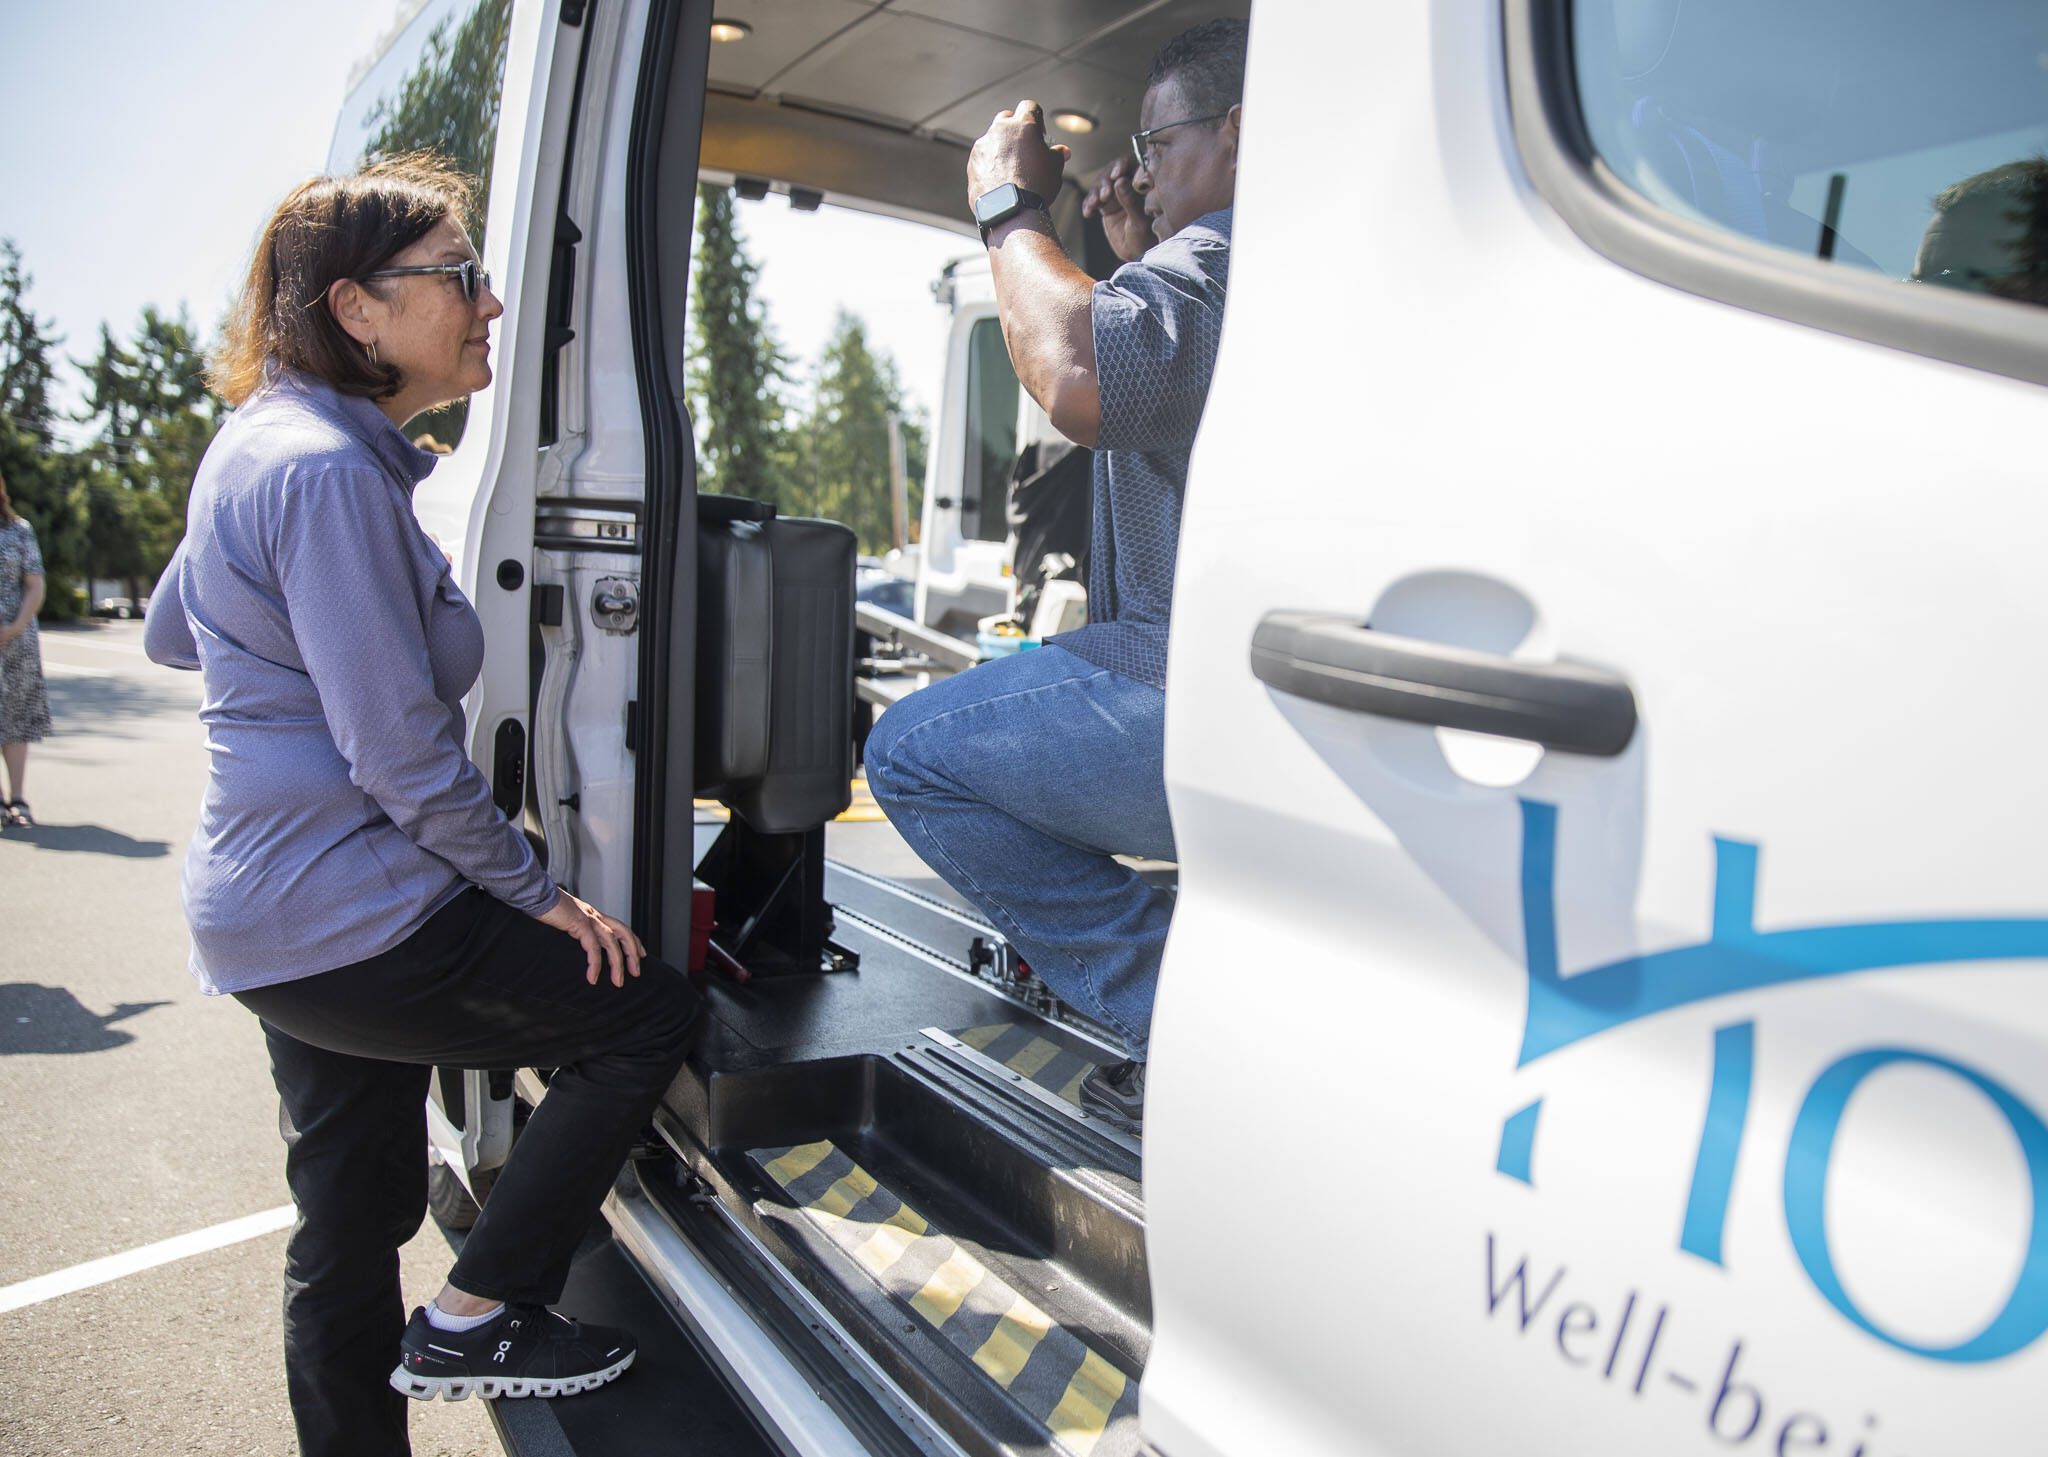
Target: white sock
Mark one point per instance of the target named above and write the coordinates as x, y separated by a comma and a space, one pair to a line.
441, 1320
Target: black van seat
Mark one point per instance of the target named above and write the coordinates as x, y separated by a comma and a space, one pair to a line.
774, 726
774, 664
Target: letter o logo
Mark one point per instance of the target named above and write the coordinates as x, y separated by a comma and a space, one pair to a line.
2025, 1316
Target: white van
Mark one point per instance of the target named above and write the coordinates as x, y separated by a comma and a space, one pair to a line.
1604, 1010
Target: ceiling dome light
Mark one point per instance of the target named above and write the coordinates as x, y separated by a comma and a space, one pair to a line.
723, 30
1080, 123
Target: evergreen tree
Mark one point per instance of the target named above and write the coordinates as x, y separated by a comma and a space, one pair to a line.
45, 487
42, 479
117, 530
27, 353
449, 105
846, 438
450, 102
152, 420
736, 374
133, 388
113, 405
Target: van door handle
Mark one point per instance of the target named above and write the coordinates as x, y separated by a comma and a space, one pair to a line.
1344, 663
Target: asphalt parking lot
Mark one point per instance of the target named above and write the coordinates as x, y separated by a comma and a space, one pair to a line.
137, 1110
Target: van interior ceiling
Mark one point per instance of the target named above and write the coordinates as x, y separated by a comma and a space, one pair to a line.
875, 105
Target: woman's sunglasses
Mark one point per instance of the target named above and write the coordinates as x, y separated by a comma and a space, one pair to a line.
469, 271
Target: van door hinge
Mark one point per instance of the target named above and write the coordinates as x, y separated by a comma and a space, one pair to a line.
573, 12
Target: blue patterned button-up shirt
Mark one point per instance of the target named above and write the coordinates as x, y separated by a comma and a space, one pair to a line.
1157, 322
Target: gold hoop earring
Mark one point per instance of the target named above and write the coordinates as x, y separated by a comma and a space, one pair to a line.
371, 349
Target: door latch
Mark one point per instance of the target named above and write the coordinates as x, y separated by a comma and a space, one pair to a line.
615, 604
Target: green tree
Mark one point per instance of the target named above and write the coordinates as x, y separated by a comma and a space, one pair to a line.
846, 437
42, 478
449, 104
116, 529
152, 419
44, 484
736, 376
132, 387
27, 353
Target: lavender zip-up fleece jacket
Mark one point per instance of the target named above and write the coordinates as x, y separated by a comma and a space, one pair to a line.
341, 810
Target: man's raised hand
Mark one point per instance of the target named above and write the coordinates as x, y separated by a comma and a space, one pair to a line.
1013, 149
1115, 200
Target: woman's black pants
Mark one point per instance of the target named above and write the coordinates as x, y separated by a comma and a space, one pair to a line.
478, 986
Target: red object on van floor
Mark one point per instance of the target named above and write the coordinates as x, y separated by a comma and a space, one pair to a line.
703, 916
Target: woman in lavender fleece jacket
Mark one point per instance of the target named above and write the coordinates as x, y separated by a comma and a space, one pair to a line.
350, 880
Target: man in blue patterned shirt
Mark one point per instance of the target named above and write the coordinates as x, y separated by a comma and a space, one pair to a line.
1020, 781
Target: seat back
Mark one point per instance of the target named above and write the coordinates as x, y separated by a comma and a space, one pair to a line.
775, 664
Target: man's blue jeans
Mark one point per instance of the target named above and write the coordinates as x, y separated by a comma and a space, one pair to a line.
1017, 781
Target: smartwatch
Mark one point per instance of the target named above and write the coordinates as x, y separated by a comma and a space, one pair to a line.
1000, 204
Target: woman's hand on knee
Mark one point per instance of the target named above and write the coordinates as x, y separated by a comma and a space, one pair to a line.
607, 944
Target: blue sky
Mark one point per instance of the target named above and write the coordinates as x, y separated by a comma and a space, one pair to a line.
144, 142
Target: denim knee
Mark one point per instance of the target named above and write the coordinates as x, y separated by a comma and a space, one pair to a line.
894, 768
879, 755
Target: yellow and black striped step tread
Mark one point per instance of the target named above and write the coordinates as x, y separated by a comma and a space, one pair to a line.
1059, 1381
1051, 1065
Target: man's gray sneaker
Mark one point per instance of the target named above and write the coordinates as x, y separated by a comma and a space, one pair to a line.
1116, 1095
524, 1350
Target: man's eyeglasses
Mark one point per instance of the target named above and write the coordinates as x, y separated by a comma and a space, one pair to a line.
469, 271
1141, 142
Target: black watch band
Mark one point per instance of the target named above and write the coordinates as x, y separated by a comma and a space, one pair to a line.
999, 204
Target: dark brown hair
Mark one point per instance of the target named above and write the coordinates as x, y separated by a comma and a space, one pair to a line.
7, 516
329, 229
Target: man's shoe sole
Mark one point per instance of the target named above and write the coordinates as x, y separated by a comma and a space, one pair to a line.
1117, 1122
461, 1388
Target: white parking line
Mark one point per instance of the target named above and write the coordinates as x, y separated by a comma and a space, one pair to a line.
148, 1257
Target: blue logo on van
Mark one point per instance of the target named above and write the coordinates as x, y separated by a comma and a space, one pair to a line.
1737, 957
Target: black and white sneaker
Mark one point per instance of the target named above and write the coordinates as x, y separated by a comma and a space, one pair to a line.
524, 1350
1116, 1095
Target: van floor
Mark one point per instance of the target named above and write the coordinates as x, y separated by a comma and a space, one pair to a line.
903, 1145
872, 846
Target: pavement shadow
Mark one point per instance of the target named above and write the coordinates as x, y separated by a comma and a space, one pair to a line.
104, 704
88, 840
37, 1018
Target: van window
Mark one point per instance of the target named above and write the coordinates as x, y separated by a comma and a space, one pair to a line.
435, 86
992, 398
1904, 137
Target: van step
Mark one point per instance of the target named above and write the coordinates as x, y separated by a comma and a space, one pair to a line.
1040, 1060
673, 1403
1075, 1395
1046, 1064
